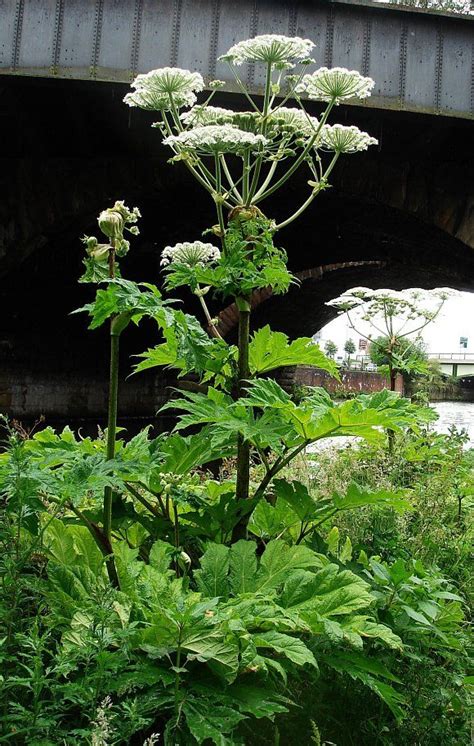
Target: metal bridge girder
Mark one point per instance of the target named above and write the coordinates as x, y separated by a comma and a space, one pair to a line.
420, 61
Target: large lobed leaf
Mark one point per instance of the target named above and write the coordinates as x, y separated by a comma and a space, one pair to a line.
124, 297
269, 350
188, 347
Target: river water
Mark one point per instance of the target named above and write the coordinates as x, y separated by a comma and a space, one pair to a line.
458, 413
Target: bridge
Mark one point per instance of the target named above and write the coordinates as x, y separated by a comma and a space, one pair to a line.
457, 364
421, 62
401, 214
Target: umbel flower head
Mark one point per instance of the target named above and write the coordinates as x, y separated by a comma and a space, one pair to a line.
215, 138
270, 48
412, 304
296, 119
336, 84
164, 89
342, 139
192, 254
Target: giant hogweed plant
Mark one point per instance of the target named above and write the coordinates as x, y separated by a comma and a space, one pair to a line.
241, 159
190, 600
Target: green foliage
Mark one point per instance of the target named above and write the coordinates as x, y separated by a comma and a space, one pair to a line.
126, 299
285, 424
203, 640
135, 606
330, 348
270, 350
406, 356
250, 262
349, 347
188, 348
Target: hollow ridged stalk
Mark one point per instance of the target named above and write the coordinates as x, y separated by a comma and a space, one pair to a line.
111, 426
243, 448
111, 429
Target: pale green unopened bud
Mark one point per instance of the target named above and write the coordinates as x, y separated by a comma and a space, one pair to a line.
111, 224
100, 252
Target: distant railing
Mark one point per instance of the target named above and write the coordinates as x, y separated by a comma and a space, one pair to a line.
458, 357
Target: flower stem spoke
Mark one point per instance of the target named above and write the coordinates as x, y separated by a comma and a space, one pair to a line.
232, 184
311, 197
243, 90
218, 199
211, 324
295, 165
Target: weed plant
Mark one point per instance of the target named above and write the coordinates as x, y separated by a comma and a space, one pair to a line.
145, 600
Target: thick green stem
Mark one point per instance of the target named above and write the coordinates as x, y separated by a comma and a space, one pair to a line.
390, 433
111, 429
177, 682
243, 448
111, 435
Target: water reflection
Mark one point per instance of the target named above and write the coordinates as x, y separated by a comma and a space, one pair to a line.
458, 413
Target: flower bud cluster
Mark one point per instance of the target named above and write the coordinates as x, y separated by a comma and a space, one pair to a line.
165, 89
335, 84
192, 254
114, 221
295, 119
215, 138
202, 115
270, 48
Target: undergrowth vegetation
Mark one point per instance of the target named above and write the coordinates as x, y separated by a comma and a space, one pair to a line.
234, 582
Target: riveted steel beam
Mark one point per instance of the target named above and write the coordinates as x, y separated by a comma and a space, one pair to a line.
420, 61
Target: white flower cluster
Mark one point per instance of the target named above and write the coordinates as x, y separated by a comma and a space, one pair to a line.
165, 88
297, 119
215, 138
408, 305
270, 48
193, 254
200, 115
344, 139
336, 84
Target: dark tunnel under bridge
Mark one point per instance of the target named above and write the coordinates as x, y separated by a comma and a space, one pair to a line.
69, 149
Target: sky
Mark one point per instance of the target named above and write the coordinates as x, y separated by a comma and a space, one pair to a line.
442, 335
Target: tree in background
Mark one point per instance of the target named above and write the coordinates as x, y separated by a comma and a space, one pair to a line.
330, 348
349, 349
454, 6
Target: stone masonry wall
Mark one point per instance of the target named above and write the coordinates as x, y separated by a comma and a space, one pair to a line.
352, 381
